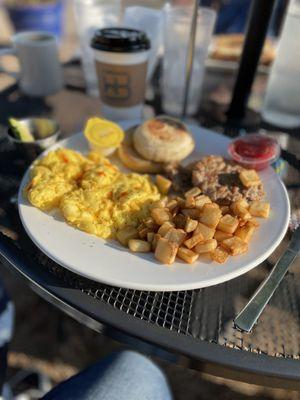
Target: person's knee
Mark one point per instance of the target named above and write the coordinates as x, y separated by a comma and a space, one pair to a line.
136, 361
133, 370
121, 375
142, 372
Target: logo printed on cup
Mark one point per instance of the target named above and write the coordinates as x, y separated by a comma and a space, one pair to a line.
116, 85
122, 86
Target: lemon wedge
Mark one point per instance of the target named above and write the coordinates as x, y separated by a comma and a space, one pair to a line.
103, 136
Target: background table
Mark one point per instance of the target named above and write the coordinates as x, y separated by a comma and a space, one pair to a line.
194, 326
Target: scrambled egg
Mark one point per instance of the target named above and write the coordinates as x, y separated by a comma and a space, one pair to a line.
91, 193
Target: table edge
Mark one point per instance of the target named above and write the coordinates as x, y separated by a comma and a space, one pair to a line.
88, 311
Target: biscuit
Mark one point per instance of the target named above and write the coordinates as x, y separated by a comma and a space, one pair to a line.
132, 160
163, 139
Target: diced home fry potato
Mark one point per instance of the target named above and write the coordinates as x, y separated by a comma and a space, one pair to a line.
260, 209
150, 236
165, 251
176, 235
225, 209
195, 191
180, 201
246, 216
190, 225
206, 247
219, 255
160, 215
165, 227
220, 236
201, 200
139, 246
245, 232
249, 177
180, 221
155, 240
163, 184
159, 203
236, 207
210, 215
190, 201
235, 246
187, 255
228, 223
195, 239
213, 205
207, 233
239, 207
242, 203
242, 222
190, 212
172, 204
253, 222
127, 233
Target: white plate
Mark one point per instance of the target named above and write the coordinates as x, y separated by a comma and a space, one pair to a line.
108, 262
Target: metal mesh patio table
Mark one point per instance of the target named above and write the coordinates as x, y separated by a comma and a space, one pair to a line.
195, 326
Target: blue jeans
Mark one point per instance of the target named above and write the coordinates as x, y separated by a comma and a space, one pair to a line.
6, 330
121, 376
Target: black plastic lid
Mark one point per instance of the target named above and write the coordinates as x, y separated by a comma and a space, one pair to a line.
120, 40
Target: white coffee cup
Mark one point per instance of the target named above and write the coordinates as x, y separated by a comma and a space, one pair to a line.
40, 69
121, 58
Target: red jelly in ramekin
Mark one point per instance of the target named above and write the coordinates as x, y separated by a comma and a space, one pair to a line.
254, 151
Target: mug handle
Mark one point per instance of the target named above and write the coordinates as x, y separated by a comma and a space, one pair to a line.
5, 52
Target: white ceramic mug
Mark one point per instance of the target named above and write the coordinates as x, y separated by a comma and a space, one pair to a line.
40, 69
